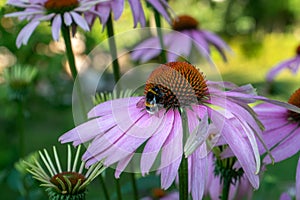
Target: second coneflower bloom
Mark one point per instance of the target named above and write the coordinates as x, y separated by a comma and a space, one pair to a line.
57, 12
180, 42
117, 128
293, 64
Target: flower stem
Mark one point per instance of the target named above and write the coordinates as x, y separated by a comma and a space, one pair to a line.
113, 49
118, 187
183, 168
104, 188
225, 190
160, 35
135, 191
21, 128
70, 55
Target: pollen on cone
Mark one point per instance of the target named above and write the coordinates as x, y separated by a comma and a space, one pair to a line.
295, 100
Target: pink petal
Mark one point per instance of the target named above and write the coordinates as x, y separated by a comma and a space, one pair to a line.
198, 173
154, 144
285, 196
201, 44
122, 164
117, 8
67, 19
176, 48
79, 20
276, 69
113, 106
138, 12
56, 25
171, 153
160, 6
26, 32
238, 145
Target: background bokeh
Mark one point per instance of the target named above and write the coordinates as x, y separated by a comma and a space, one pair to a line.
261, 34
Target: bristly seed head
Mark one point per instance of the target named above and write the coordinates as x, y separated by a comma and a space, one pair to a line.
60, 6
73, 177
294, 100
184, 22
174, 85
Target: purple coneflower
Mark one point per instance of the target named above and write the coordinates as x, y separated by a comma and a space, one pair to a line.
103, 10
180, 41
117, 128
59, 13
282, 129
158, 193
292, 64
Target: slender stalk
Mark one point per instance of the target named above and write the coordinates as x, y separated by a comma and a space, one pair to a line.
104, 188
118, 187
21, 128
160, 35
183, 168
70, 55
113, 49
225, 190
135, 191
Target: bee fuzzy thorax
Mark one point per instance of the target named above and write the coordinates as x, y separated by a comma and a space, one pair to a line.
173, 85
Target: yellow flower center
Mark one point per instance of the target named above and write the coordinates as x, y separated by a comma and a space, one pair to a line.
173, 85
184, 22
60, 6
61, 181
295, 100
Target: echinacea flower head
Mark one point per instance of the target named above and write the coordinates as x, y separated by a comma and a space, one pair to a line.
158, 193
180, 41
282, 128
69, 183
104, 9
58, 13
175, 94
293, 64
18, 79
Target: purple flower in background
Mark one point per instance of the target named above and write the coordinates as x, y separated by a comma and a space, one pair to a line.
59, 13
282, 129
160, 194
103, 10
180, 41
117, 128
292, 64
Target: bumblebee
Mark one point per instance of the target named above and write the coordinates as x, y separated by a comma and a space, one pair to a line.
153, 101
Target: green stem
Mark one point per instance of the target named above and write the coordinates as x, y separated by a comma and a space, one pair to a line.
225, 190
21, 129
118, 187
135, 191
69, 51
113, 49
160, 35
183, 168
183, 179
104, 188
70, 55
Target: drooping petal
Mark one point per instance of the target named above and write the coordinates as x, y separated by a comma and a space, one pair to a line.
160, 6
67, 19
56, 25
239, 146
198, 173
201, 44
154, 144
26, 32
287, 148
285, 196
146, 50
79, 20
138, 12
115, 105
276, 69
177, 48
117, 7
122, 164
171, 153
